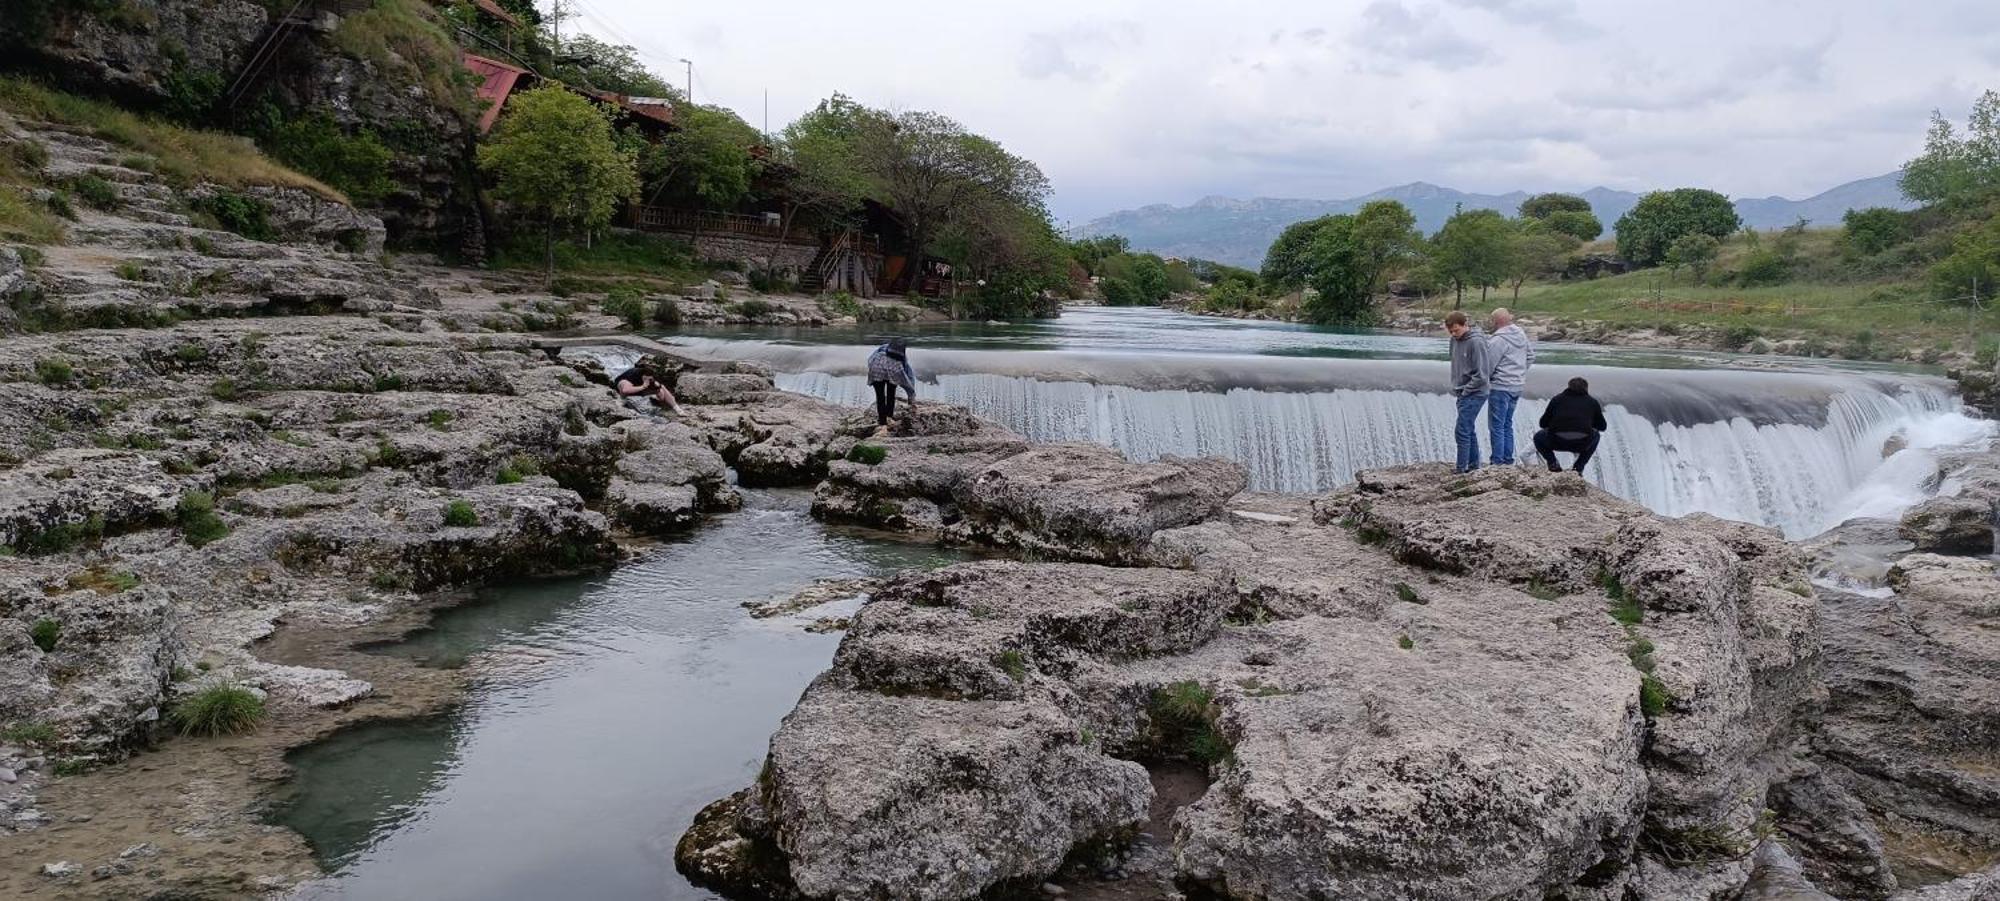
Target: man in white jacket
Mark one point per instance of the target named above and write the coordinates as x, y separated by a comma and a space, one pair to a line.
1510, 354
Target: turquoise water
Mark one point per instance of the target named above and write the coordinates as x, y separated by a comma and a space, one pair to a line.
604, 713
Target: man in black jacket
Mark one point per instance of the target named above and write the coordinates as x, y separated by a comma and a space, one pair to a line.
1572, 423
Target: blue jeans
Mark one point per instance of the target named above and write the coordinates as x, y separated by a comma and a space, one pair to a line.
1467, 432
1500, 425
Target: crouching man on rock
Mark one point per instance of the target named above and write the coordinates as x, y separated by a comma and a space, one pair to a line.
1573, 422
637, 386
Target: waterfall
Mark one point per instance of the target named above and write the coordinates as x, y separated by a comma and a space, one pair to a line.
1799, 476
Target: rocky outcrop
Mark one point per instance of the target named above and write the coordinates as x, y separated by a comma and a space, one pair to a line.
1387, 708
668, 486
1950, 525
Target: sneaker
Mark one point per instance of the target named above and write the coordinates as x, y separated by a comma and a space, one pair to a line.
1555, 467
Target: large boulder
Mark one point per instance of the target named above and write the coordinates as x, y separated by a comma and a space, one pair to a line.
1950, 525
669, 487
1086, 502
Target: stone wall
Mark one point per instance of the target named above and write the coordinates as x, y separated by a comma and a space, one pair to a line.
792, 256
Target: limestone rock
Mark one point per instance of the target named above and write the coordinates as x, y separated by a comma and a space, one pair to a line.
1086, 502
1950, 525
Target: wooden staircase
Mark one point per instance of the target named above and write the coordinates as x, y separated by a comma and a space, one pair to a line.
836, 267
275, 37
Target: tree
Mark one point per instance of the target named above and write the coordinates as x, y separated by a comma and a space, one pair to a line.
1542, 206
705, 161
1973, 268
1868, 232
1285, 265
1581, 225
1091, 252
933, 173
1386, 233
553, 158
1645, 232
1338, 268
1954, 171
1695, 251
824, 179
1535, 250
1145, 273
1473, 248
615, 68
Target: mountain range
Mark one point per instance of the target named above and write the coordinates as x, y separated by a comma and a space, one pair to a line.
1238, 231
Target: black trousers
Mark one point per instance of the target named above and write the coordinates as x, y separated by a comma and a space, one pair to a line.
1547, 443
885, 401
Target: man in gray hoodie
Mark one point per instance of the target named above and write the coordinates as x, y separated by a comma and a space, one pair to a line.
1470, 383
1511, 354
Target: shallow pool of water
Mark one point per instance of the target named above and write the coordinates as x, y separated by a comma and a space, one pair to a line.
604, 713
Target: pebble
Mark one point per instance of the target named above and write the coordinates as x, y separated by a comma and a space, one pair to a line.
7, 776
1050, 888
143, 849
59, 870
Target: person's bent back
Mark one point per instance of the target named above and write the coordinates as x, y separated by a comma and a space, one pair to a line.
1573, 424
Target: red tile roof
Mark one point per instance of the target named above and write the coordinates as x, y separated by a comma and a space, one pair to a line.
497, 80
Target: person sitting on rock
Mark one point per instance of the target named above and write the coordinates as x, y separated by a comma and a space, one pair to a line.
1573, 423
889, 369
637, 386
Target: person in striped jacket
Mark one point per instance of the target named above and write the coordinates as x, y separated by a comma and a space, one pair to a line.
889, 369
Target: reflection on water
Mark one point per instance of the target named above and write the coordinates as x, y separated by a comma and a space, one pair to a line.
604, 713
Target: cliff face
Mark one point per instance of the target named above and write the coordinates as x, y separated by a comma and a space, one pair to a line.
387, 68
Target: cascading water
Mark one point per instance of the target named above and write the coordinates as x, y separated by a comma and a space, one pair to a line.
1801, 478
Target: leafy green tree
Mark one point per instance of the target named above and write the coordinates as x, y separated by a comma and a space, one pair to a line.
1475, 248
1386, 232
823, 171
1215, 273
1535, 250
1146, 274
553, 159
1695, 251
1958, 171
705, 161
1286, 267
1339, 270
1973, 268
1645, 232
610, 67
934, 173
1119, 293
1581, 225
1868, 232
1542, 206
1092, 252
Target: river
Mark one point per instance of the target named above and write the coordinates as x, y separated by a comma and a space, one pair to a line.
606, 711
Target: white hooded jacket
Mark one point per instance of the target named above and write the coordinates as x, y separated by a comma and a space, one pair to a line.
1510, 354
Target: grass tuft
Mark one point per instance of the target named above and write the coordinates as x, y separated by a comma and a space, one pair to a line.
53, 371
868, 454
29, 734
1408, 595
1184, 722
218, 710
47, 633
1653, 696
198, 520
459, 514
1015, 665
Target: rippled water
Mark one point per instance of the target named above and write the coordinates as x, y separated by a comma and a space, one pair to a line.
605, 712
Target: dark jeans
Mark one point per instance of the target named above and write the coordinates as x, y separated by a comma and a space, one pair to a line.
1547, 443
1466, 435
885, 401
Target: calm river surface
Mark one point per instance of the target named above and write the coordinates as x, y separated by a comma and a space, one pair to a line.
605, 713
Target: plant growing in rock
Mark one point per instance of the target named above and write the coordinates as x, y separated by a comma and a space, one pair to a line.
53, 371
1408, 595
46, 633
218, 710
1013, 664
868, 454
28, 734
1183, 720
1653, 696
198, 520
239, 213
439, 420
459, 514
96, 192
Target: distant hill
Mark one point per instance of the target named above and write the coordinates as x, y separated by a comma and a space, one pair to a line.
1238, 231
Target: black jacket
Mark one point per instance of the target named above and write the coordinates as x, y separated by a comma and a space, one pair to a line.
1574, 411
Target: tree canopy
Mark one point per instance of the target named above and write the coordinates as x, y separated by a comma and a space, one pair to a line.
1385, 233
590, 62
1474, 249
1955, 170
553, 158
1542, 206
1581, 225
1645, 232
705, 161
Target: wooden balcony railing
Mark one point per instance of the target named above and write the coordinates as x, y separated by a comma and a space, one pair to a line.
660, 218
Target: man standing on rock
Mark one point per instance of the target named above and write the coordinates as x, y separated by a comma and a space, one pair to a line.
1511, 354
1470, 383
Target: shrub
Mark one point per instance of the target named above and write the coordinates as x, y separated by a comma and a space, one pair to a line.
218, 710
841, 303
59, 204
198, 520
131, 271
388, 381
439, 420
868, 454
95, 192
1183, 716
239, 213
357, 164
753, 308
1762, 267
518, 468
1739, 336
459, 514
29, 734
1406, 642
47, 633
1653, 696
667, 312
53, 371
1406, 594
629, 307
223, 389
1013, 664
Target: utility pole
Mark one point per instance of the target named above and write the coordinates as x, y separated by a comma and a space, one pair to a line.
690, 81
555, 27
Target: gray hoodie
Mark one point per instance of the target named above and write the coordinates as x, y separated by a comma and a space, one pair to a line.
1469, 366
1510, 355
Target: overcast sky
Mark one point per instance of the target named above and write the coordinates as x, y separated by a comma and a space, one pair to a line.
1125, 103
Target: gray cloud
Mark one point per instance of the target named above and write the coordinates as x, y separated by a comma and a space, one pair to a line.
1061, 54
1395, 32
1558, 18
